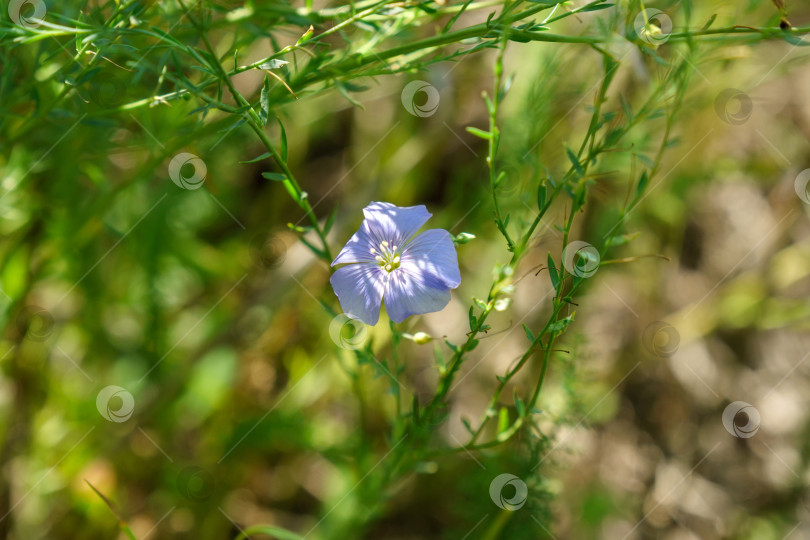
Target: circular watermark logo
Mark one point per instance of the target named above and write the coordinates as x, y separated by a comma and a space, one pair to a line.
733, 106
580, 259
115, 404
27, 13
107, 90
35, 323
653, 26
800, 185
431, 99
661, 339
181, 175
516, 501
267, 250
348, 333
741, 419
195, 483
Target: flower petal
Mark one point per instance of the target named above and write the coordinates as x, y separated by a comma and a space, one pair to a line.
408, 292
359, 287
358, 248
433, 253
394, 224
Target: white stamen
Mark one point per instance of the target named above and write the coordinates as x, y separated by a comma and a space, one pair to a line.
388, 267
396, 259
373, 251
384, 244
378, 258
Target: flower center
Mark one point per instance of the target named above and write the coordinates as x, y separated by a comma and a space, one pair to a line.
387, 257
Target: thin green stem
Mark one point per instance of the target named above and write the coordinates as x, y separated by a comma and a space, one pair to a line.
257, 126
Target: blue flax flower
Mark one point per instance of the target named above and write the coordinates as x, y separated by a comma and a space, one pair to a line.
386, 259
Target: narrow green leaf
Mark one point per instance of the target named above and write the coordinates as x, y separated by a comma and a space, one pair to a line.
575, 162
235, 125
204, 69
437, 353
344, 91
507, 85
275, 177
273, 532
488, 101
283, 140
328, 226
710, 22
467, 425
521, 409
628, 111
473, 320
87, 76
552, 271
427, 9
264, 102
579, 199
503, 420
642, 185
257, 159
597, 7
306, 36
121, 523
353, 87
302, 229
480, 133
620, 239
542, 192
318, 253
294, 194
453, 20
529, 333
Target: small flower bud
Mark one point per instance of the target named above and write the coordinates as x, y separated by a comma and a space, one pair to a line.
463, 238
502, 304
420, 338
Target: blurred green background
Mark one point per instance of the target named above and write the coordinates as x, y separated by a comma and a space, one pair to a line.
204, 307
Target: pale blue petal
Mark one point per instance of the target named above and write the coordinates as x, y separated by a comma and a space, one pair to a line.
433, 253
358, 248
360, 287
413, 293
394, 224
